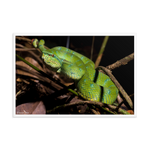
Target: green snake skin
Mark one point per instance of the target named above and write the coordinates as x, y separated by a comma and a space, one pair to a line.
81, 70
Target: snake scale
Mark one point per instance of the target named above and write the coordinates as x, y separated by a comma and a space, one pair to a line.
81, 69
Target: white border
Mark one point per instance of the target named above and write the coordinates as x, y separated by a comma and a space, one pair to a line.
14, 75
10, 75
81, 31
74, 34
135, 75
73, 116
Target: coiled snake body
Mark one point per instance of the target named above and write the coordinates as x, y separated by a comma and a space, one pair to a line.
81, 70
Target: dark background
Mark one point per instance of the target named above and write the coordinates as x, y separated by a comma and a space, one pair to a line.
117, 48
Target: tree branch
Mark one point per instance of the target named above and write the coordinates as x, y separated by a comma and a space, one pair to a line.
98, 60
89, 103
27, 40
121, 62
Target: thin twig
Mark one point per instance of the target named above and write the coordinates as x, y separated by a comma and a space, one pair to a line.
120, 62
131, 95
121, 102
23, 38
98, 60
92, 48
87, 102
25, 49
26, 39
19, 45
68, 41
95, 112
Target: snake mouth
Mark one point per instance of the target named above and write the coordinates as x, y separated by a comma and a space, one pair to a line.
51, 63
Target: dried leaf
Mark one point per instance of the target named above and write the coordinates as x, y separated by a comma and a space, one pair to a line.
130, 111
31, 108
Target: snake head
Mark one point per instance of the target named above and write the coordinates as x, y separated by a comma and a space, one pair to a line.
52, 60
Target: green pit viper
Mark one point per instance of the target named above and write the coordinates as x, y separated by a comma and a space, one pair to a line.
81, 69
